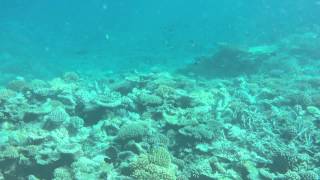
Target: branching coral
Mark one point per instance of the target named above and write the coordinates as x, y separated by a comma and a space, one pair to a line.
156, 165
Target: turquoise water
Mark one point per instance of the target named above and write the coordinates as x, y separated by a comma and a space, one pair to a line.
159, 90
113, 34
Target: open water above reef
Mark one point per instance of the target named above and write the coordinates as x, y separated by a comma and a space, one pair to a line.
168, 90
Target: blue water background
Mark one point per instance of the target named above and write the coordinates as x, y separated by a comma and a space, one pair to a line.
43, 38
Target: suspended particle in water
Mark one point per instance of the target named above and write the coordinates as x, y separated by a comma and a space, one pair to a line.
105, 7
107, 37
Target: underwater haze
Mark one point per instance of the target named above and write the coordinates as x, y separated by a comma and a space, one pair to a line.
159, 90
37, 35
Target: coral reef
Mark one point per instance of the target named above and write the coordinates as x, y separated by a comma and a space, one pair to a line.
253, 124
155, 165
